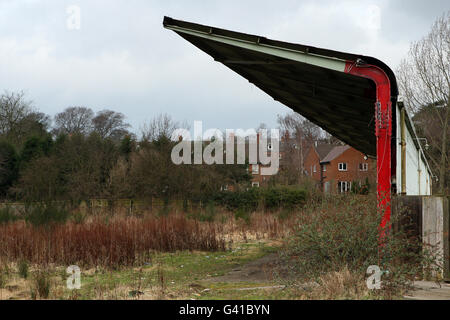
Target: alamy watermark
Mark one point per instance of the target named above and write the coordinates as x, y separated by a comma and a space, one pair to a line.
73, 21
374, 280
74, 280
262, 148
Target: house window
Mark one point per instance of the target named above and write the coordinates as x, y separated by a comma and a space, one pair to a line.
255, 184
255, 168
224, 188
324, 168
314, 168
342, 166
363, 167
344, 186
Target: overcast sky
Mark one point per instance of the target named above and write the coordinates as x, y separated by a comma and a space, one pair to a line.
121, 58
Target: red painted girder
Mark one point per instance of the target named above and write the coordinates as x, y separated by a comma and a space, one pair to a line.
383, 132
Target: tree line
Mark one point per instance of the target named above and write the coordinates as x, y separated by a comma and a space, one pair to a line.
81, 155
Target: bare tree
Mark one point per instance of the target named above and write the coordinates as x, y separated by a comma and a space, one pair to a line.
110, 124
13, 109
302, 134
74, 120
159, 127
424, 78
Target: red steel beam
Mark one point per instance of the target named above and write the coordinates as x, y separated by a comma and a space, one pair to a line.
383, 133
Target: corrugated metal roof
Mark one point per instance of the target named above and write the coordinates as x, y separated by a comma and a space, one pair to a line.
340, 103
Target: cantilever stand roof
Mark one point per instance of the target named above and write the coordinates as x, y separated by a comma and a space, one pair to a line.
309, 80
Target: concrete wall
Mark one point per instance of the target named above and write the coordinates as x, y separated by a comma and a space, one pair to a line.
430, 223
435, 227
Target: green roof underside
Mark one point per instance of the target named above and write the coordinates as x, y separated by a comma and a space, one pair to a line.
306, 79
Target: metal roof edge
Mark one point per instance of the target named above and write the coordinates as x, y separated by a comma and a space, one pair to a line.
169, 22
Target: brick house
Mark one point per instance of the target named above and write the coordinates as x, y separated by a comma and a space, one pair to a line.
255, 170
258, 179
336, 168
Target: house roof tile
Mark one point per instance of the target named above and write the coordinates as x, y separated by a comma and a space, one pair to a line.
334, 153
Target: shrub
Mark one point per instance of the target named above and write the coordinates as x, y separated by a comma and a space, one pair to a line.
3, 277
234, 200
7, 215
343, 233
41, 285
45, 214
10, 167
78, 217
272, 198
243, 214
2, 280
363, 189
165, 209
23, 269
209, 214
284, 197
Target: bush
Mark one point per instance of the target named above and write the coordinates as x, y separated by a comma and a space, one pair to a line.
234, 200
363, 189
10, 167
272, 198
343, 233
3, 278
283, 197
7, 215
41, 285
334, 238
78, 217
242, 214
23, 269
209, 214
45, 215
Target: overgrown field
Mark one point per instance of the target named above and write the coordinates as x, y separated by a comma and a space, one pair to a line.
320, 249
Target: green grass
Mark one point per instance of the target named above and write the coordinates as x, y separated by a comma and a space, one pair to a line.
184, 276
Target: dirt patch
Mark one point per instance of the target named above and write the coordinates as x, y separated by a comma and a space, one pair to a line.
15, 289
260, 270
426, 290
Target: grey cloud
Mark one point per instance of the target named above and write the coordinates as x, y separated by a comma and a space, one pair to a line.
123, 59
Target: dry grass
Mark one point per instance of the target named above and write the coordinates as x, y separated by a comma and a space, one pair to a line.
114, 243
336, 285
259, 226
